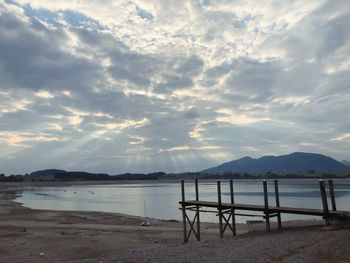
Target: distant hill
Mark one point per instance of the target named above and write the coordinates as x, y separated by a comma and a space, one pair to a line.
347, 163
291, 163
62, 175
55, 174
46, 175
47, 172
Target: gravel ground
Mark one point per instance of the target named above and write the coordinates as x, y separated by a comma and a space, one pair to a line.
301, 244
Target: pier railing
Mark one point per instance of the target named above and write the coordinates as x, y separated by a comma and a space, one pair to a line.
227, 212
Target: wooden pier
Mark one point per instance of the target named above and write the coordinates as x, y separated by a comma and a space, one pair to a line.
227, 212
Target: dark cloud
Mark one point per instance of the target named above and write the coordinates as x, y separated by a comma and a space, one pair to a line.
167, 130
133, 67
192, 113
255, 79
179, 74
33, 57
144, 14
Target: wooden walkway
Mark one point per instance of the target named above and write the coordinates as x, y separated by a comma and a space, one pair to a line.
228, 211
272, 209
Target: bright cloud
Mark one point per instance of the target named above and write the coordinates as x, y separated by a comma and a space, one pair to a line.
188, 148
122, 124
25, 139
44, 94
343, 137
229, 116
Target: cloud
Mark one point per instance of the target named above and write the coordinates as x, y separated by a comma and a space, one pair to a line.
24, 139
188, 148
228, 116
44, 94
169, 85
124, 124
342, 137
33, 57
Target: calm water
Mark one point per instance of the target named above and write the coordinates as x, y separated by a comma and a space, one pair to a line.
160, 200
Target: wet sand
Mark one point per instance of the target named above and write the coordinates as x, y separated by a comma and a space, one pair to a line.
28, 235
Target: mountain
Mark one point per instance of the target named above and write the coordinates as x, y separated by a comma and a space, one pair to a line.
347, 163
294, 162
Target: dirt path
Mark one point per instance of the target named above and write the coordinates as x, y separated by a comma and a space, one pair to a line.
28, 235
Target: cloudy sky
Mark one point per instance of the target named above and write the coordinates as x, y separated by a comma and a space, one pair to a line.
143, 86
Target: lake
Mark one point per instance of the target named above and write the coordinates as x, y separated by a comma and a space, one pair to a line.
160, 200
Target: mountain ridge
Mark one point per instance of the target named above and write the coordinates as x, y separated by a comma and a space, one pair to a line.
293, 162
345, 162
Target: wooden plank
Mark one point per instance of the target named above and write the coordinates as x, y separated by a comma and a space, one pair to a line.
224, 205
272, 209
300, 211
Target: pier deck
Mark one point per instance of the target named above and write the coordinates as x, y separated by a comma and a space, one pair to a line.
271, 209
227, 212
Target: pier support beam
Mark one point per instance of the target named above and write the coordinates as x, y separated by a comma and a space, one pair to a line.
224, 220
221, 230
277, 197
324, 201
331, 191
233, 210
186, 219
183, 210
266, 206
197, 211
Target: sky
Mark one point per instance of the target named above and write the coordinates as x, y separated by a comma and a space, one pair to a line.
173, 86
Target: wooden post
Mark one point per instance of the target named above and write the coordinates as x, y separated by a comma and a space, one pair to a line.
220, 210
324, 201
233, 210
266, 204
183, 210
331, 191
277, 197
197, 211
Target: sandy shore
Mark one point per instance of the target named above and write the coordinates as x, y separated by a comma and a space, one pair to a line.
28, 235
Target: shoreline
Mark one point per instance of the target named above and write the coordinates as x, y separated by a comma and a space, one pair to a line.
89, 230
77, 236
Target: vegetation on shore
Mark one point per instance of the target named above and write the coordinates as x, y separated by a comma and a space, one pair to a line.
61, 175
